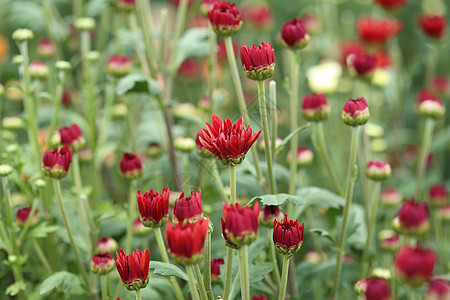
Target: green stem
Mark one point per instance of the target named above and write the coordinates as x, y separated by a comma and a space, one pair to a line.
27, 223
293, 101
218, 181
201, 286
351, 177
439, 240
162, 38
363, 157
131, 213
106, 117
40, 254
423, 154
227, 286
372, 228
138, 295
57, 188
104, 284
430, 64
57, 102
165, 258
322, 149
413, 294
207, 267
131, 126
273, 117
273, 258
77, 8
212, 62
233, 184
265, 126
5, 238
284, 278
244, 273
191, 282
180, 20
145, 23
242, 105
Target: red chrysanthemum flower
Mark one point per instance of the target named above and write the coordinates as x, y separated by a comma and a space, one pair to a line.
23, 214
130, 166
362, 64
413, 217
215, 268
56, 164
433, 25
377, 31
46, 48
392, 4
428, 105
260, 297
356, 112
72, 137
294, 34
154, 207
373, 289
288, 235
227, 141
119, 66
258, 62
106, 244
315, 108
378, 170
438, 195
258, 15
239, 224
188, 208
102, 263
269, 214
414, 265
133, 268
438, 289
186, 240
225, 18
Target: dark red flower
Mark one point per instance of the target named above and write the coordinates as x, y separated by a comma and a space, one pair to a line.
378, 170
239, 224
391, 4
133, 268
102, 263
270, 213
258, 15
154, 207
438, 289
131, 166
351, 47
356, 112
294, 34
413, 217
215, 268
315, 108
188, 208
377, 31
382, 58
288, 235
56, 164
414, 265
260, 297
72, 137
227, 141
374, 289
225, 18
23, 214
190, 69
389, 240
46, 48
186, 240
428, 105
106, 244
362, 64
433, 25
201, 150
438, 194
119, 66
65, 99
258, 62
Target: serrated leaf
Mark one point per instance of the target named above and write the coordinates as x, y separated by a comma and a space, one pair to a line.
15, 288
193, 43
42, 230
314, 196
323, 233
258, 271
256, 248
278, 199
63, 279
139, 84
166, 269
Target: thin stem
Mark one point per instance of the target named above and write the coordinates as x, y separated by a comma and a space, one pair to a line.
131, 210
57, 102
207, 267
162, 38
244, 273
322, 149
191, 282
77, 8
351, 177
5, 238
273, 258
212, 62
423, 154
107, 113
138, 295
265, 126
131, 125
439, 239
284, 278
233, 184
218, 181
372, 227
227, 286
430, 64
293, 100
27, 223
201, 286
273, 117
40, 254
57, 188
104, 284
180, 20
242, 105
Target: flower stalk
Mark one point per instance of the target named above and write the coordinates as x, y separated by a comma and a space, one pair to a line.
138, 294
201, 285
207, 266
293, 104
273, 258
244, 272
273, 117
57, 103
192, 288
131, 210
284, 277
423, 154
104, 285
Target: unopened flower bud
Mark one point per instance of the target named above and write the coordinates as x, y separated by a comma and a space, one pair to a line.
304, 156
362, 64
414, 265
382, 273
184, 144
17, 60
378, 170
433, 25
22, 34
12, 123
23, 214
428, 105
119, 66
412, 218
119, 110
46, 48
154, 150
106, 244
215, 268
93, 56
268, 214
126, 5
38, 70
288, 236
356, 112
102, 263
258, 62
390, 196
315, 108
294, 34
131, 166
85, 24
438, 195
62, 65
444, 212
56, 163
438, 289
389, 240
225, 18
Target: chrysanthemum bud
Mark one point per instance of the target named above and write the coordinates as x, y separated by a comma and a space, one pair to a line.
154, 207
119, 66
85, 24
154, 150
106, 244
304, 156
38, 70
93, 56
133, 268
428, 105
23, 214
262, 145
12, 123
381, 273
188, 208
225, 18
257, 15
119, 110
46, 48
315, 108
356, 112
22, 34
373, 289
102, 263
215, 268
131, 166
414, 265
433, 25
378, 170
258, 62
56, 163
62, 65
390, 196
412, 218
294, 34
437, 195
184, 144
444, 212
389, 240
72, 137
239, 225
362, 64
288, 236
268, 214
438, 289
377, 31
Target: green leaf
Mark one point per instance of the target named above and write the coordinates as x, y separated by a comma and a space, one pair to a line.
290, 136
15, 288
193, 43
256, 248
323, 233
138, 83
278, 199
63, 279
314, 196
166, 269
42, 230
258, 271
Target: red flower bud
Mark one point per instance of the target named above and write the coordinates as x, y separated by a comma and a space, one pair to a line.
65, 99
239, 224
154, 208
139, 229
188, 208
433, 25
130, 166
428, 105
228, 142
414, 265
438, 289
106, 244
215, 268
389, 240
378, 170
356, 112
269, 214
56, 164
102, 263
258, 62
260, 297
304, 156
186, 240
225, 18
294, 34
373, 289
315, 108
38, 70
412, 218
391, 4
119, 66
438, 195
133, 268
377, 31
440, 85
390, 196
362, 64
46, 48
444, 212
288, 236
23, 214
72, 137
258, 15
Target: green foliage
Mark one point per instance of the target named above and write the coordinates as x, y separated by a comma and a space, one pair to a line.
166, 269
137, 83
278, 199
15, 288
193, 43
64, 280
